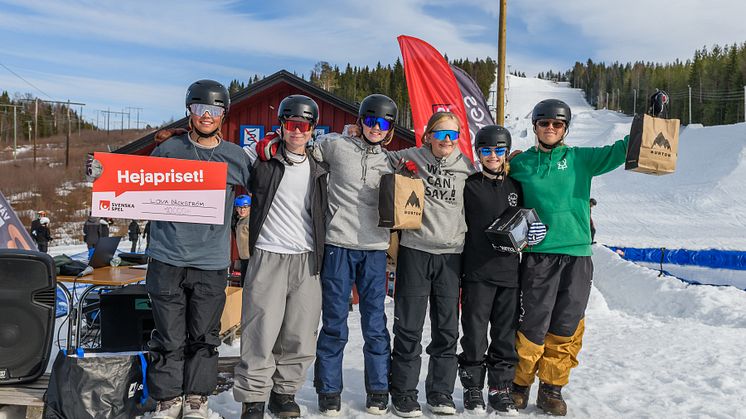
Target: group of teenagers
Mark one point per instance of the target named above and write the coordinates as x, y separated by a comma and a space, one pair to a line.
313, 234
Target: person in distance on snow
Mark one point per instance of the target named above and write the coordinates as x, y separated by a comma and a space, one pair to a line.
428, 270
489, 281
133, 230
43, 236
187, 270
240, 228
556, 274
282, 291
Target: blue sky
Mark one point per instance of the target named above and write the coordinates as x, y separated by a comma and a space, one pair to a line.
114, 54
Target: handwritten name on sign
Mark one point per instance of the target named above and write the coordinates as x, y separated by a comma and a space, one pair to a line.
157, 188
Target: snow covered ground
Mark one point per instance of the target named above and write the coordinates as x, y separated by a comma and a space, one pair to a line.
654, 346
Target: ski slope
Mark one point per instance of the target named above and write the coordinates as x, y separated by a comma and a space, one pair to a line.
654, 347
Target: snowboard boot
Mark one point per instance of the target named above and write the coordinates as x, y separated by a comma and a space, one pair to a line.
377, 403
168, 409
550, 400
519, 394
330, 404
195, 407
441, 404
474, 401
405, 405
501, 401
252, 410
283, 405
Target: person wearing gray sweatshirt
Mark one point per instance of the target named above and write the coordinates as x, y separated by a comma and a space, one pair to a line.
428, 270
355, 254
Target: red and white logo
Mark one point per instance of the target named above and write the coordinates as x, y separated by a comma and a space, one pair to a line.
441, 107
104, 205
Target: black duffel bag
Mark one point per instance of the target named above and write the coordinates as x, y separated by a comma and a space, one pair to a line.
98, 386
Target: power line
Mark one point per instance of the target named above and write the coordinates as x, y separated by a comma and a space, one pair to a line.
26, 81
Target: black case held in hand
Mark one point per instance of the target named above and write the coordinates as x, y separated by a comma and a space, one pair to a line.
509, 232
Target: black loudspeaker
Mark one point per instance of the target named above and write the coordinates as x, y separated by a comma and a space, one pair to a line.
27, 309
126, 319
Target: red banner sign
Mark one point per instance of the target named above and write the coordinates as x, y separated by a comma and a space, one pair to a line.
432, 88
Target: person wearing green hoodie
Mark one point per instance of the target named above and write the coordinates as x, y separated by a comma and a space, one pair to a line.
556, 274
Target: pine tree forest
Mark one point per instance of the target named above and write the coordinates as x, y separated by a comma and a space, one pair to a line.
717, 77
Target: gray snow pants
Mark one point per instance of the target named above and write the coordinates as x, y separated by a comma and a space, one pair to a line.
279, 324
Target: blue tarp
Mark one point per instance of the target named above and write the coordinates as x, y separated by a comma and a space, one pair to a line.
709, 258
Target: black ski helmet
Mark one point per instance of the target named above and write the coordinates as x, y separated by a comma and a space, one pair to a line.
379, 106
298, 105
208, 92
551, 109
492, 136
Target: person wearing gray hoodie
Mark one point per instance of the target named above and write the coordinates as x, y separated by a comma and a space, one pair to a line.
355, 254
428, 270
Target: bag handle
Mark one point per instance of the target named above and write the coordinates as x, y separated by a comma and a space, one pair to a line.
406, 168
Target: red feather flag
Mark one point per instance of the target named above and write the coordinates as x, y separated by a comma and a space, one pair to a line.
432, 88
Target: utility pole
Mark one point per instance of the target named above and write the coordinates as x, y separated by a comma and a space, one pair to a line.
67, 138
108, 118
36, 122
137, 123
501, 64
690, 103
15, 129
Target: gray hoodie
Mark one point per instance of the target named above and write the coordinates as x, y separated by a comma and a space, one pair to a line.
443, 222
355, 170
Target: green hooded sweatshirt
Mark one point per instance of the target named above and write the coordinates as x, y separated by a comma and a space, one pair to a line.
557, 184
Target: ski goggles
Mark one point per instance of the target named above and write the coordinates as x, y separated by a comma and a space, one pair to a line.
200, 109
487, 151
555, 124
383, 123
443, 134
302, 126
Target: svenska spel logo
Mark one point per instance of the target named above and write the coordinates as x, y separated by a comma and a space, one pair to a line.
104, 205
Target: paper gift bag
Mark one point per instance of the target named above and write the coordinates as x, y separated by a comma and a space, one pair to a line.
401, 200
653, 145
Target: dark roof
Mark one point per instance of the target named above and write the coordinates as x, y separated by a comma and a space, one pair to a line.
258, 87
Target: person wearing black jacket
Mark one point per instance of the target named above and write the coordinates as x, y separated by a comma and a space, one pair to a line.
489, 286
43, 237
133, 231
282, 290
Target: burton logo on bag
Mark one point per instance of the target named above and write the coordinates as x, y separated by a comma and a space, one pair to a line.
661, 141
413, 201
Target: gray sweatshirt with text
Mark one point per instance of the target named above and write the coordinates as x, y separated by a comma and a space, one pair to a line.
443, 222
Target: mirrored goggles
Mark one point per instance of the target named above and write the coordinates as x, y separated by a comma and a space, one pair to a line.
302, 126
442, 135
555, 124
383, 123
499, 151
199, 109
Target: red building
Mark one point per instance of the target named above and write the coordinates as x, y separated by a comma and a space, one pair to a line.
256, 107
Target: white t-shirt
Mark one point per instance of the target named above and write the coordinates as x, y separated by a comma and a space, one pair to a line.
288, 227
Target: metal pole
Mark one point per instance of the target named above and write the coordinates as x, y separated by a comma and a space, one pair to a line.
67, 138
108, 117
634, 102
500, 111
15, 134
690, 103
36, 126
122, 126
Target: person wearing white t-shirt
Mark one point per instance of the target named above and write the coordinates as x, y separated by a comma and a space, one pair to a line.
282, 291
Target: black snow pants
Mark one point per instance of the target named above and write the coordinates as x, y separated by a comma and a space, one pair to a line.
187, 305
423, 277
486, 304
